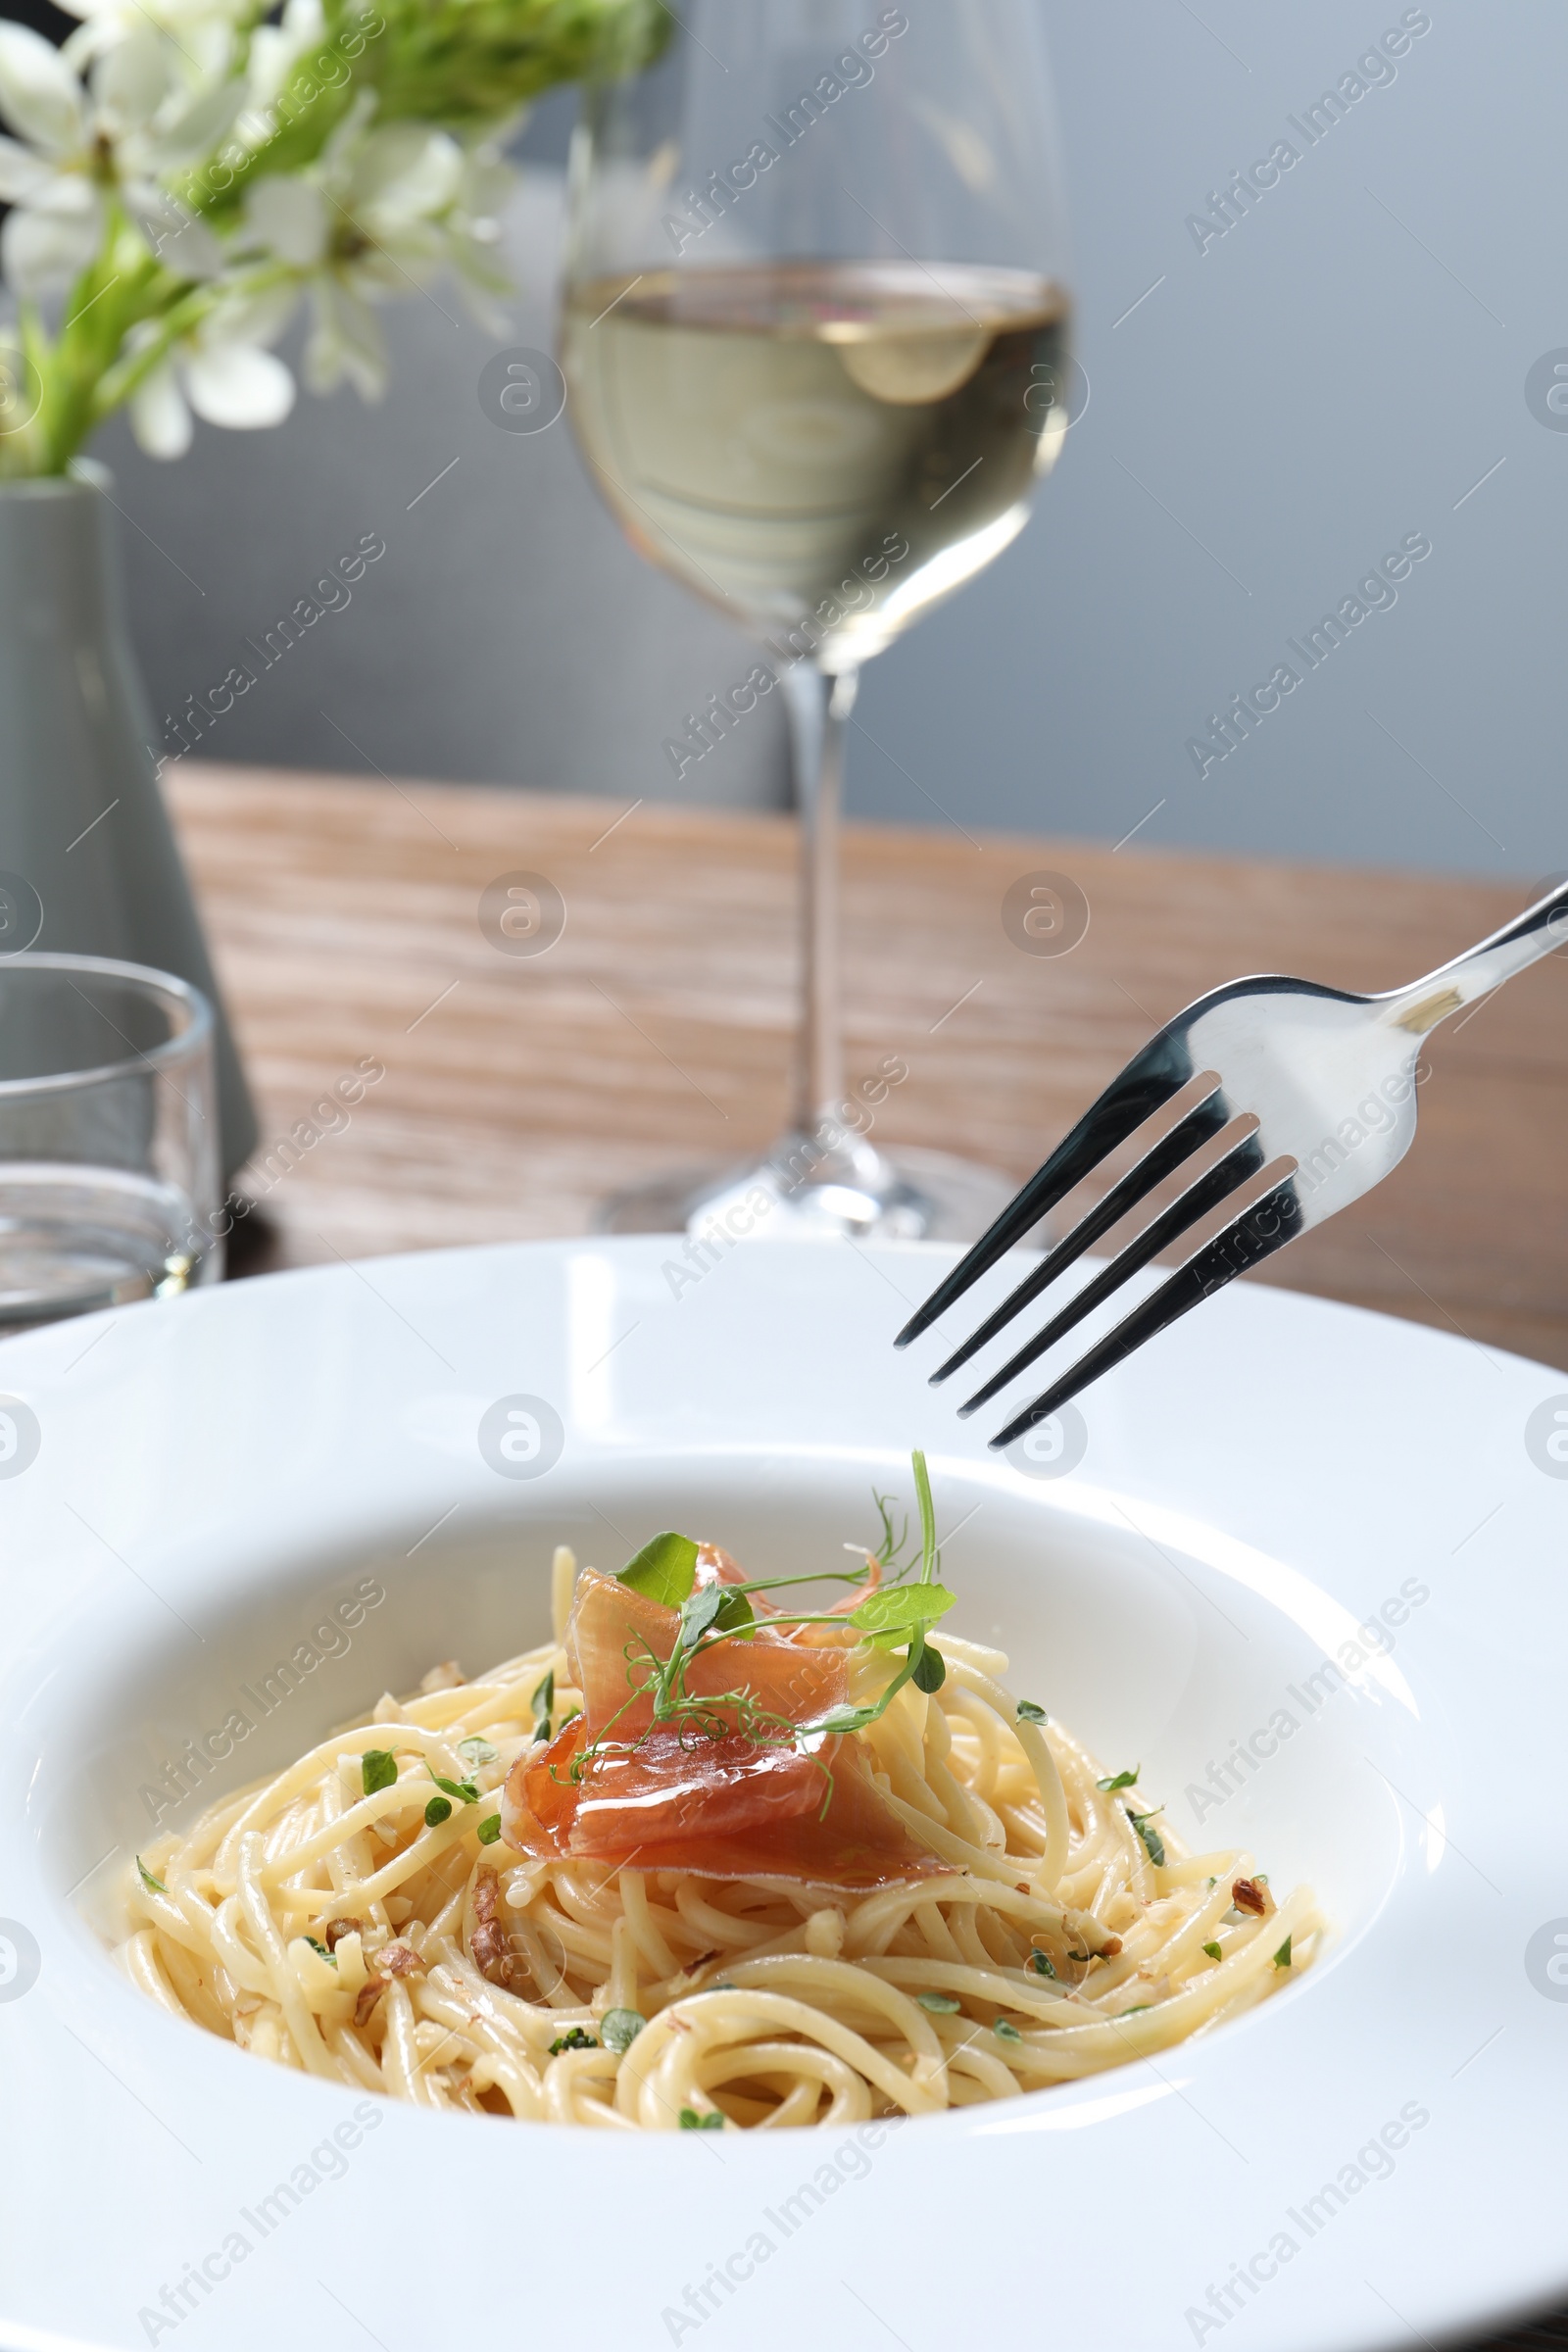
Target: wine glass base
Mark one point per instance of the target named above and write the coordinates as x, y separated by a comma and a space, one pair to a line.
904, 1195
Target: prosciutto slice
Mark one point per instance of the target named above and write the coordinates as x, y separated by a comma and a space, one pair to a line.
704, 1794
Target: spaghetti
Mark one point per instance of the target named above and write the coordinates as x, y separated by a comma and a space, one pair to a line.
392, 1913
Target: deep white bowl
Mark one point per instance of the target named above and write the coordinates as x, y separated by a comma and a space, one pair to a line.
262, 1506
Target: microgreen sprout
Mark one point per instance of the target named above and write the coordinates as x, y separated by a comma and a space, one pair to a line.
940, 2004
710, 2120
1282, 1958
574, 2038
1121, 1780
152, 1885
1041, 1963
378, 1769
1214, 1951
618, 2029
438, 1810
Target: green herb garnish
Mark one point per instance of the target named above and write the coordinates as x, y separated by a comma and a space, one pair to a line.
378, 1769
489, 1831
899, 1609
930, 1669
464, 1792
1006, 2031
691, 2121
1154, 1844
1041, 1963
1137, 2009
574, 2038
1214, 1951
940, 2004
438, 1810
1282, 1958
330, 1957
665, 1570
1122, 1779
618, 2029
153, 1885
477, 1751
1029, 1713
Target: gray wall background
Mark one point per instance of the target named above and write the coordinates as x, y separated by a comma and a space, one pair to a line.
1266, 418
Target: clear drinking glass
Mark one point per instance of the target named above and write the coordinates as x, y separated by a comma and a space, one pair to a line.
109, 1159
815, 340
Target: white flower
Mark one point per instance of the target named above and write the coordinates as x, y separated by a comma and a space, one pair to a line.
223, 371
206, 33
137, 118
385, 210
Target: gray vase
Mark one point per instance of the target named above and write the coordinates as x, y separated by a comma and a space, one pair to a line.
87, 857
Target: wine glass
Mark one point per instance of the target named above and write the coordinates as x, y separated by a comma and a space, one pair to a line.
815, 340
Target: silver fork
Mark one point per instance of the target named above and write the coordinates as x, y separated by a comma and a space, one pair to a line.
1330, 1079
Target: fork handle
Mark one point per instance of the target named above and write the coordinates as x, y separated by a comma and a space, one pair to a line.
1481, 968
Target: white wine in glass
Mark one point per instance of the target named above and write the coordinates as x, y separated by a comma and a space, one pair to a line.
816, 341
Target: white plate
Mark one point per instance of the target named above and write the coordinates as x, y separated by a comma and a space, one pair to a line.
213, 1476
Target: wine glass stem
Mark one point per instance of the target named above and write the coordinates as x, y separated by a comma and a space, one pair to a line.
819, 709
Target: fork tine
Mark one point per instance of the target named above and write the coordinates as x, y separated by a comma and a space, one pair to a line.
1243, 1160
1264, 1228
1187, 1137
1161, 1069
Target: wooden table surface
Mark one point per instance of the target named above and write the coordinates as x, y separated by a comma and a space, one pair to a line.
344, 919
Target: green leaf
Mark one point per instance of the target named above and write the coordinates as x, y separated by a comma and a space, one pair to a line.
697, 1613
1214, 1951
543, 1704
691, 2121
1028, 1712
665, 1570
618, 2029
1006, 2031
1154, 1844
1122, 1779
574, 2038
940, 2004
1137, 2009
378, 1769
477, 1751
437, 1811
489, 1831
735, 1612
330, 1957
1282, 1958
464, 1791
900, 1608
930, 1669
844, 1718
153, 1885
1041, 1963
